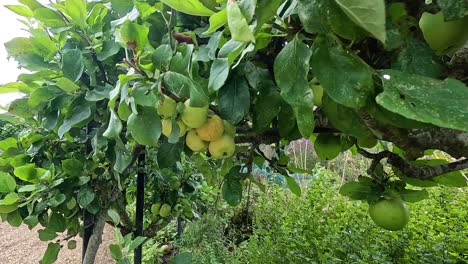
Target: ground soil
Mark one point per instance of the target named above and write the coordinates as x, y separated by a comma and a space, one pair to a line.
22, 246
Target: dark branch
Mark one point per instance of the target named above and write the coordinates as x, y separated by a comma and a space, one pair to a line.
415, 171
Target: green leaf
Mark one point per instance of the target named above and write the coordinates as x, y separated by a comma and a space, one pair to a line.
178, 84
7, 183
27, 173
145, 126
232, 187
182, 258
442, 103
57, 222
356, 190
12, 87
32, 4
309, 14
217, 20
191, 7
122, 7
136, 242
132, 35
8, 143
327, 146
5, 209
76, 10
266, 108
344, 119
413, 196
340, 23
291, 67
115, 126
114, 215
453, 9
162, 57
305, 115
49, 17
238, 25
370, 15
293, 186
80, 114
19, 107
18, 46
46, 234
169, 154
344, 76
14, 219
234, 99
21, 10
85, 196
44, 46
181, 61
109, 49
73, 167
387, 117
31, 221
218, 74
10, 198
72, 64
67, 85
266, 10
417, 58
115, 251
51, 254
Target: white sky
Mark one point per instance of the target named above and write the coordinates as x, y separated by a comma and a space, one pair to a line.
9, 29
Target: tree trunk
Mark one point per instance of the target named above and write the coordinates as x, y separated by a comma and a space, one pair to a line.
96, 238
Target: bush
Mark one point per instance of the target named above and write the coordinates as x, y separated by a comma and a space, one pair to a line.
324, 227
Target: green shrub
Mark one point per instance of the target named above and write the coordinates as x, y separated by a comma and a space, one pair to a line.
324, 227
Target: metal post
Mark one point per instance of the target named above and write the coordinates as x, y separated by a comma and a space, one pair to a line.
140, 202
179, 226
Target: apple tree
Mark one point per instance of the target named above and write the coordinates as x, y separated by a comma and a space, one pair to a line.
111, 84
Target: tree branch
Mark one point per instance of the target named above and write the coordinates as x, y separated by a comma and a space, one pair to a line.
415, 171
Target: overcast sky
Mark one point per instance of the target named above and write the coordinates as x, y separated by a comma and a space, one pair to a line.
10, 28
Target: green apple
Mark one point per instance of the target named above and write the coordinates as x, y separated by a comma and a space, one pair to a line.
194, 142
391, 214
212, 129
442, 36
167, 107
224, 147
164, 249
167, 127
194, 117
165, 210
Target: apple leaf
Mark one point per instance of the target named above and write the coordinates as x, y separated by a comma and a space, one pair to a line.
443, 104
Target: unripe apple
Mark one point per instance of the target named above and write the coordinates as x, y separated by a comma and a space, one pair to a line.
167, 127
167, 107
194, 117
443, 35
212, 129
224, 147
165, 210
194, 142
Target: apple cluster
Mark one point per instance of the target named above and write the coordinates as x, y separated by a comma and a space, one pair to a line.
203, 130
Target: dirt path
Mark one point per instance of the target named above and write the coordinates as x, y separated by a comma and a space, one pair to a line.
22, 246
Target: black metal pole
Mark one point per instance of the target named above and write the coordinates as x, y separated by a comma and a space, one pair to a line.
179, 226
140, 202
88, 221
